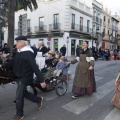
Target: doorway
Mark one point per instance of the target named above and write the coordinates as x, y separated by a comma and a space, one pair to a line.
73, 47
55, 45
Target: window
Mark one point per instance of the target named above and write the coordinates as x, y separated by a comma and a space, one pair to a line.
108, 32
41, 23
55, 44
104, 32
104, 18
88, 25
80, 43
41, 40
109, 20
73, 21
81, 24
28, 25
56, 21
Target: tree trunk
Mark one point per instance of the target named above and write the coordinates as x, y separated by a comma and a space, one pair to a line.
11, 23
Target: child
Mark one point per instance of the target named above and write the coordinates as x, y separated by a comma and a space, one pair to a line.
56, 59
61, 68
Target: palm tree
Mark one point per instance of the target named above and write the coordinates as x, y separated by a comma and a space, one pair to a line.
14, 5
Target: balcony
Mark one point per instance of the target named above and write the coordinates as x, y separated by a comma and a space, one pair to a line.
29, 30
104, 24
80, 28
115, 28
96, 19
40, 29
109, 26
55, 27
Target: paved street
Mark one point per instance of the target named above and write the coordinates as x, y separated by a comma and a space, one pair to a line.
95, 107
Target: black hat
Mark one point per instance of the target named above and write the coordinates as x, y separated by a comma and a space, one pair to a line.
24, 38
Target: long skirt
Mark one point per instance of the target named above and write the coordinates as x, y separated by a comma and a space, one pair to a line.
88, 90
116, 99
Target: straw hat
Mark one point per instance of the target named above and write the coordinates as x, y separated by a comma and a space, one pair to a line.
51, 52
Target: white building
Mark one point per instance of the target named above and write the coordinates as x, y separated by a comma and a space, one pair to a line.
57, 22
114, 38
106, 28
97, 22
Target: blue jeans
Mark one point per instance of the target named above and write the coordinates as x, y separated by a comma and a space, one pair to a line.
20, 94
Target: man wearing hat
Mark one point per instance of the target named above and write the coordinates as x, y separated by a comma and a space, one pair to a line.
24, 66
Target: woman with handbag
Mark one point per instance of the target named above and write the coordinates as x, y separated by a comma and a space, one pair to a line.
84, 80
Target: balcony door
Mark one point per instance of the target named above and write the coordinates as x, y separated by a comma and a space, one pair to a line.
88, 25
81, 23
28, 25
73, 21
41, 23
56, 21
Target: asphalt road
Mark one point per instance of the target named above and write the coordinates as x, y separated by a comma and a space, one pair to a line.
95, 107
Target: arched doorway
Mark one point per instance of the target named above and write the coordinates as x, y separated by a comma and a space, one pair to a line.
103, 45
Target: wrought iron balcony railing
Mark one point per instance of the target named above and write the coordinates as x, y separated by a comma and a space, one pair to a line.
40, 28
80, 28
55, 27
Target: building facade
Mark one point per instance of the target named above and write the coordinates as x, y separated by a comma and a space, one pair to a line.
97, 22
106, 28
56, 23
114, 35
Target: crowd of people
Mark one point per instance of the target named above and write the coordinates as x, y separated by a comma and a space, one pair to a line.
44, 64
104, 54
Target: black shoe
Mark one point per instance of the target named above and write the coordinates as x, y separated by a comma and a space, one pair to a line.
75, 96
14, 102
40, 103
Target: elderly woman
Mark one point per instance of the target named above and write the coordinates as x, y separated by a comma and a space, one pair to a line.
84, 81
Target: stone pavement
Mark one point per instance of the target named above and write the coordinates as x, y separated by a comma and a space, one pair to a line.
95, 107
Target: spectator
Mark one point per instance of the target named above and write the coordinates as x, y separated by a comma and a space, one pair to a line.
78, 51
107, 54
42, 48
14, 51
115, 54
103, 54
34, 49
6, 49
63, 50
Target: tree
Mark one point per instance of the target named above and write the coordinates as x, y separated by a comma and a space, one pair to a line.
14, 5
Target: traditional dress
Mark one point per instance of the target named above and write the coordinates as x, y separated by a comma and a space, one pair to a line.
84, 80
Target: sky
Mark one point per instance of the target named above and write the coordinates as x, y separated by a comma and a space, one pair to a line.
113, 5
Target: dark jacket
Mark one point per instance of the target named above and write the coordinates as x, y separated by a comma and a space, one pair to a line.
24, 66
6, 50
63, 50
78, 51
51, 62
35, 50
44, 50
